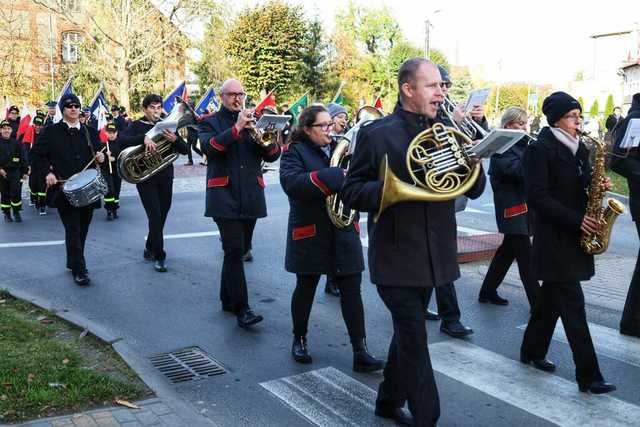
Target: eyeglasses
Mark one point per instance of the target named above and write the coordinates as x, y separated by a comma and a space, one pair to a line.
446, 85
72, 106
572, 117
323, 126
235, 94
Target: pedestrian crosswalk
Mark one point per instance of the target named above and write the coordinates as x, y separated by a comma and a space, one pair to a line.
329, 397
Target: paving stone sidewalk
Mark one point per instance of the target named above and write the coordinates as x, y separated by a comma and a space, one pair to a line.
152, 412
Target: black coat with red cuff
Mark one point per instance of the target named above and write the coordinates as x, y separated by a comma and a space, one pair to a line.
235, 187
414, 244
314, 244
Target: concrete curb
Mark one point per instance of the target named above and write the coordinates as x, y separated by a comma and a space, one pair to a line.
139, 365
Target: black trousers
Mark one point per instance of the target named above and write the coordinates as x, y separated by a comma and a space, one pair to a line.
114, 183
514, 247
447, 301
631, 314
156, 194
235, 235
566, 301
10, 191
76, 226
408, 375
350, 303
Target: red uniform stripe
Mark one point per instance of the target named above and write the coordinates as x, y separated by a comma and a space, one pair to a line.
516, 210
304, 232
318, 183
220, 181
215, 145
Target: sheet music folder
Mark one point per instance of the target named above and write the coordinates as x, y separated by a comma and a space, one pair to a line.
497, 142
632, 135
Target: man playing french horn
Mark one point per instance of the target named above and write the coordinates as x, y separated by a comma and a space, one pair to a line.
235, 190
412, 239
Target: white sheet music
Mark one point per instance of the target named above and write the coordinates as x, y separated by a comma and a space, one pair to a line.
632, 135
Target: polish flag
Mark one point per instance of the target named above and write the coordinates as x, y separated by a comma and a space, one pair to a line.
25, 121
269, 101
102, 121
378, 104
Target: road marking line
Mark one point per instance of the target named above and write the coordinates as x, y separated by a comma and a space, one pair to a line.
191, 235
473, 231
31, 244
544, 395
607, 342
327, 397
473, 210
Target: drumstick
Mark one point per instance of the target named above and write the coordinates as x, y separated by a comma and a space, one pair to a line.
109, 157
84, 168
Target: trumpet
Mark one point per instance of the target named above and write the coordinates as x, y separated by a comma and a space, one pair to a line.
468, 126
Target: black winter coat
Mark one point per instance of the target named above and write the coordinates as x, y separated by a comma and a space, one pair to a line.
556, 185
64, 152
629, 164
235, 187
414, 243
13, 156
134, 135
314, 244
506, 175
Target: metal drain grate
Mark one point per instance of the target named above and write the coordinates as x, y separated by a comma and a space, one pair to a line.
187, 364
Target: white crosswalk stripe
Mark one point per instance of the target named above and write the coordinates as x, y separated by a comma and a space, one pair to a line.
607, 341
327, 397
544, 395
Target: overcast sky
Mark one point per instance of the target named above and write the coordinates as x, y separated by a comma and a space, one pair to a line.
543, 41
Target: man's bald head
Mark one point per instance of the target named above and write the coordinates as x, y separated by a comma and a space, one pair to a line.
232, 94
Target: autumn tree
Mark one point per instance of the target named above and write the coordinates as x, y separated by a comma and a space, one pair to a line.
15, 49
265, 46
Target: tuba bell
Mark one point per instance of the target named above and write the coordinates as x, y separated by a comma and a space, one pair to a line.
341, 157
136, 165
439, 165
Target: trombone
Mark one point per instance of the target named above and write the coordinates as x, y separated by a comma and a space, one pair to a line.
468, 126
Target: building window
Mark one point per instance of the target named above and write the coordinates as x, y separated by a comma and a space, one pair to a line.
71, 5
71, 47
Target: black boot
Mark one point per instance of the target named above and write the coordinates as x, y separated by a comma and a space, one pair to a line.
109, 215
300, 351
115, 214
16, 215
7, 216
362, 360
331, 287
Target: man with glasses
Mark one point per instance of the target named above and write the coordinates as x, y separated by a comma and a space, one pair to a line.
235, 191
557, 178
156, 192
62, 150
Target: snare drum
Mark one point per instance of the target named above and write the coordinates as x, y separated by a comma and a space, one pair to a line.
85, 188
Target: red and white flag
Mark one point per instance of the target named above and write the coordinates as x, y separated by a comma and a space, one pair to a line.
378, 103
269, 101
25, 121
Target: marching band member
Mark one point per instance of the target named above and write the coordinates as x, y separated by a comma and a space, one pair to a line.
412, 247
156, 192
446, 297
339, 117
37, 187
114, 181
557, 178
235, 191
628, 165
61, 151
51, 113
512, 215
13, 167
314, 245
13, 117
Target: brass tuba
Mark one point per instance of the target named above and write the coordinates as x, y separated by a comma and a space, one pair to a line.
341, 157
439, 166
136, 165
598, 242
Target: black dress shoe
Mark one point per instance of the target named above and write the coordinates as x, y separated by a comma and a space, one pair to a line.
81, 278
431, 315
363, 361
331, 287
159, 266
543, 364
597, 387
455, 329
493, 299
300, 351
147, 255
247, 257
399, 415
248, 318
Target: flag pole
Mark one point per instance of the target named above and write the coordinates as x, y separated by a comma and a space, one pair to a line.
335, 98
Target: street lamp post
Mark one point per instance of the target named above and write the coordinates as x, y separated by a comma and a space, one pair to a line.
428, 25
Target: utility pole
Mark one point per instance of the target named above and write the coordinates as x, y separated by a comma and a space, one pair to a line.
427, 31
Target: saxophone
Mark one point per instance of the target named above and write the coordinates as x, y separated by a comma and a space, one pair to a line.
598, 242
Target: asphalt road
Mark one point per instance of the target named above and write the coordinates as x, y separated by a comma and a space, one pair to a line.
480, 380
